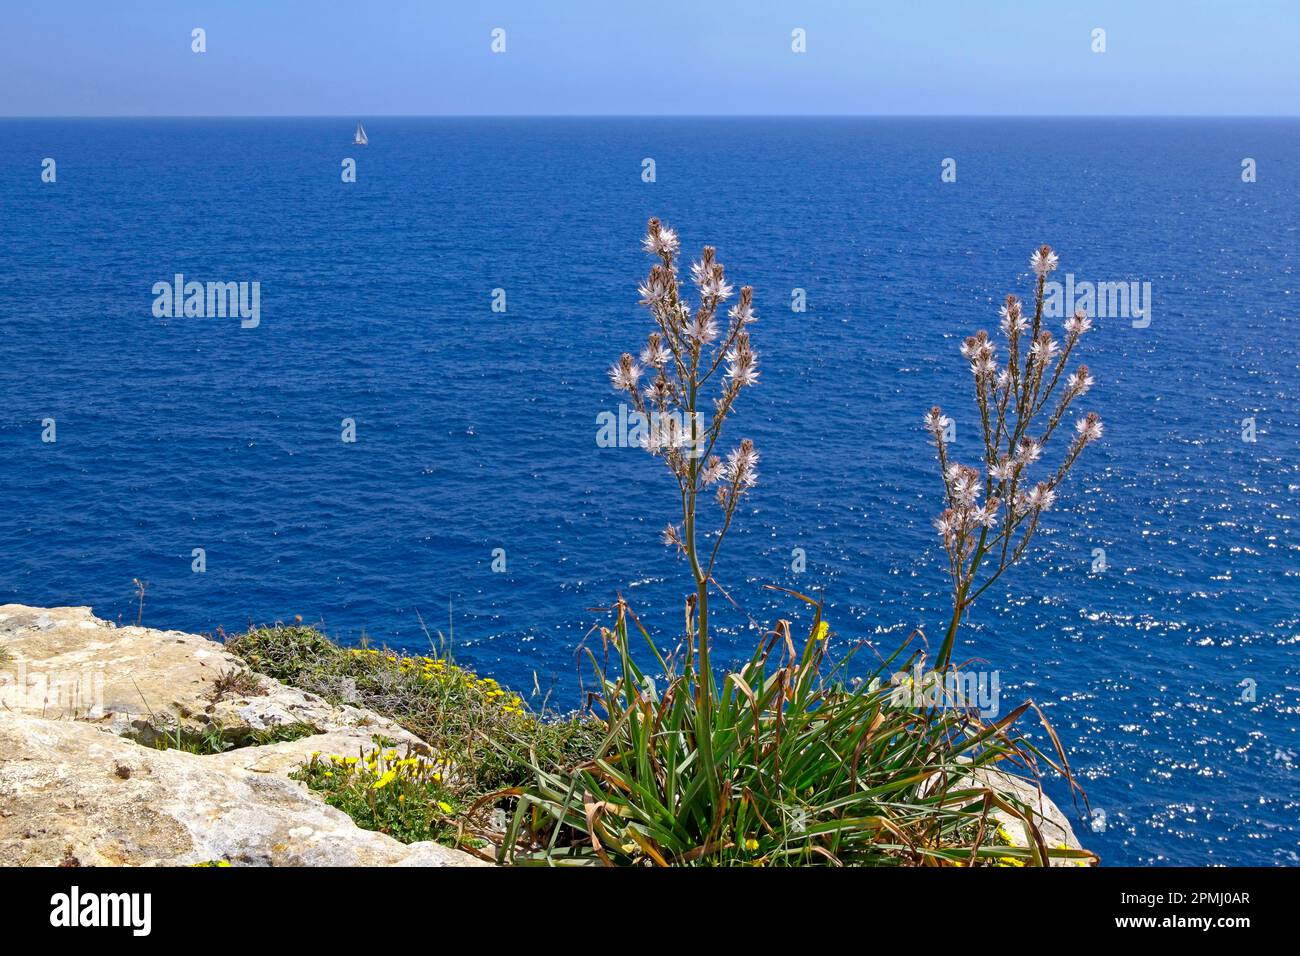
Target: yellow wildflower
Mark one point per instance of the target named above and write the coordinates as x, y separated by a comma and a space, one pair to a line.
385, 780
822, 630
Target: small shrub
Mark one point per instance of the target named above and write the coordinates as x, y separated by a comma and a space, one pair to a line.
406, 797
294, 653
236, 682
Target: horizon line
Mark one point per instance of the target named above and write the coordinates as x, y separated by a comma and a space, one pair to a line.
684, 116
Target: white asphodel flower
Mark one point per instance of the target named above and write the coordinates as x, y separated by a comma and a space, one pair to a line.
712, 472
1040, 497
655, 354
656, 289
660, 240
1002, 469
1029, 451
625, 374
1044, 349
936, 423
704, 329
1088, 428
964, 485
702, 269
741, 467
1043, 261
742, 367
1013, 318
989, 516
742, 313
716, 287
659, 392
1079, 381
1078, 323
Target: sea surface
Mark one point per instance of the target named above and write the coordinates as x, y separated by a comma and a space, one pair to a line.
1170, 675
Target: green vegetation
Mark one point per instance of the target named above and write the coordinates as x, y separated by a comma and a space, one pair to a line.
496, 739
217, 740
805, 768
236, 682
788, 762
808, 766
408, 796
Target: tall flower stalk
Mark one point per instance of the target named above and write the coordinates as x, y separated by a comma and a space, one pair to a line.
688, 348
1021, 404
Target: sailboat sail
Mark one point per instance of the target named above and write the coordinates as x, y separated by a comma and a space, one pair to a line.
361, 136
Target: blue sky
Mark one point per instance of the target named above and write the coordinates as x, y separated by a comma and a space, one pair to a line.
432, 57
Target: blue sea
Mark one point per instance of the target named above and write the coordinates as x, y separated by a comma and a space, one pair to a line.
1171, 676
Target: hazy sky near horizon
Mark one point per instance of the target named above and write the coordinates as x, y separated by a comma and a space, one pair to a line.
666, 57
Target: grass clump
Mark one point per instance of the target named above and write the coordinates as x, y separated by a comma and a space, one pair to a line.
216, 739
806, 768
407, 797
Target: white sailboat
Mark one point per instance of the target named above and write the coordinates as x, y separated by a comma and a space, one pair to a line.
360, 139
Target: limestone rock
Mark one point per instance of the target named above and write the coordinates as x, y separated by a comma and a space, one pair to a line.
1052, 824
80, 699
73, 793
143, 683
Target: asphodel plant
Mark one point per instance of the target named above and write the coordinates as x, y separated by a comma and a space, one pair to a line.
993, 511
691, 372
793, 759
